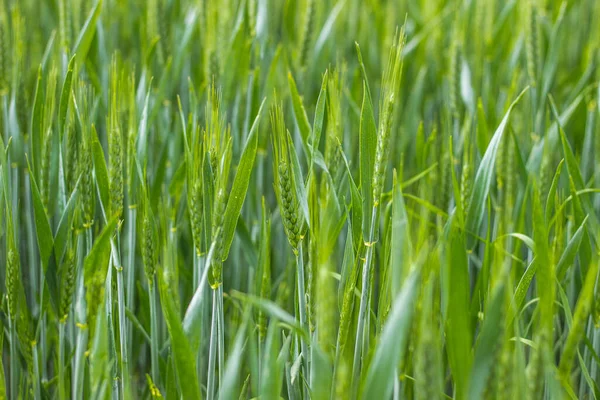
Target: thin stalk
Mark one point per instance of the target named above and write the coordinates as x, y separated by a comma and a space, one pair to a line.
154, 335
198, 271
396, 386
221, 333
82, 337
31, 240
36, 372
259, 352
122, 319
210, 386
583, 387
195, 286
130, 272
43, 341
13, 360
536, 114
302, 311
336, 361
61, 361
364, 298
82, 333
108, 304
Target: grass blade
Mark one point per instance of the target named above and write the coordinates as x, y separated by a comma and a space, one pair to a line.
240, 185
86, 35
483, 179
185, 361
391, 346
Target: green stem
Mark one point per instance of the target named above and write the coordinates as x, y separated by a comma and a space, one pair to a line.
198, 271
31, 240
210, 386
36, 372
221, 333
42, 340
13, 359
259, 358
130, 272
302, 311
82, 336
122, 321
364, 298
336, 361
154, 335
397, 392
82, 332
108, 305
61, 361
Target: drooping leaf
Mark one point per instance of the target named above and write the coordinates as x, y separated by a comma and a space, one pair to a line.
272, 309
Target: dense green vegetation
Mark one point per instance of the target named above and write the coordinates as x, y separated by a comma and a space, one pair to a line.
299, 199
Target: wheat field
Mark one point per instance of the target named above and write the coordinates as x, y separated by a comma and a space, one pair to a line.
299, 199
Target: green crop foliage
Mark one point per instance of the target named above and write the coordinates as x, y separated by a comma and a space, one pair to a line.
299, 199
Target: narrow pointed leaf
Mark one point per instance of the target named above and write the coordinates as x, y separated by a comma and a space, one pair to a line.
240, 185
100, 170
65, 96
185, 359
486, 344
84, 40
483, 179
300, 113
458, 321
315, 137
42, 226
391, 347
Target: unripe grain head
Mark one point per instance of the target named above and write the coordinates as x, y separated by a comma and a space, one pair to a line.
13, 279
149, 249
390, 88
